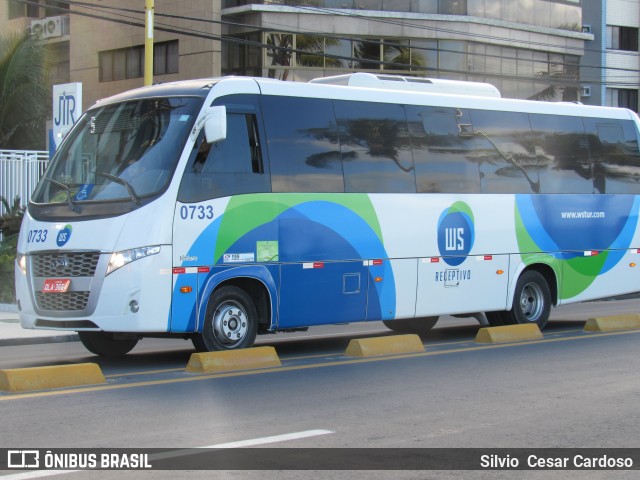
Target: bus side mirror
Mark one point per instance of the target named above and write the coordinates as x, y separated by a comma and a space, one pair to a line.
215, 124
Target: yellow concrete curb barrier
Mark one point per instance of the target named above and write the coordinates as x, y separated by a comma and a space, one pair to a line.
509, 333
44, 378
231, 360
613, 323
379, 346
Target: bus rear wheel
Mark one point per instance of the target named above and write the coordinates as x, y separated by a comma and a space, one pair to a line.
531, 302
106, 344
419, 326
231, 321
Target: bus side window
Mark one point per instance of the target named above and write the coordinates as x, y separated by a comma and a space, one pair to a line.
443, 150
614, 150
562, 154
230, 167
505, 152
304, 151
376, 147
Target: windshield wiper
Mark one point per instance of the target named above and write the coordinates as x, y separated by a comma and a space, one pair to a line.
132, 193
72, 206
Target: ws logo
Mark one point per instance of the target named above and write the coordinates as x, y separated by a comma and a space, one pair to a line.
456, 233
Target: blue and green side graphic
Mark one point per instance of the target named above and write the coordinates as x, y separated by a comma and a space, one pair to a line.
561, 229
289, 230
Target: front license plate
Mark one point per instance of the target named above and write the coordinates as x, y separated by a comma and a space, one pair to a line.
56, 285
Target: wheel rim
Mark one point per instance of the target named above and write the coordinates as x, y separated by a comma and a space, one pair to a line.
532, 302
230, 323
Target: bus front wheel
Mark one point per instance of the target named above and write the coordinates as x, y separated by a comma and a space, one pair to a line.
106, 344
531, 302
231, 321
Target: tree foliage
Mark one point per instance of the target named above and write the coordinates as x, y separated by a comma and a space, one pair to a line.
24, 91
10, 222
11, 219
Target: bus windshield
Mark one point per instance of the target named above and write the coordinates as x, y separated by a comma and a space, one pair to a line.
119, 152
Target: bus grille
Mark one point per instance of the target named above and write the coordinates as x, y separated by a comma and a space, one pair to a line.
62, 301
67, 264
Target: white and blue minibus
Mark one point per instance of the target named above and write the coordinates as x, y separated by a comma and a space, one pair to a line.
219, 209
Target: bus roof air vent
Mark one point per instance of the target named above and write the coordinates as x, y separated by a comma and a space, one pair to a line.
414, 84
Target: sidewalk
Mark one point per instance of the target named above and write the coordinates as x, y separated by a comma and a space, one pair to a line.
11, 333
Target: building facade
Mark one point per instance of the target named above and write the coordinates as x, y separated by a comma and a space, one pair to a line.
537, 49
528, 49
107, 56
102, 42
18, 16
611, 65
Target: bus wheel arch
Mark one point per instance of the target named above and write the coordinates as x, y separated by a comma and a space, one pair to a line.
234, 313
260, 295
550, 277
533, 296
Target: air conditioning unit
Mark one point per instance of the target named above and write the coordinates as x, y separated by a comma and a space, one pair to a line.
52, 27
37, 28
49, 27
585, 91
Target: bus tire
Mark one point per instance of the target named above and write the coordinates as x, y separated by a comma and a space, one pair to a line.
231, 321
419, 326
531, 301
105, 344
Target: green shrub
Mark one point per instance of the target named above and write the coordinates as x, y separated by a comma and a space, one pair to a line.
10, 223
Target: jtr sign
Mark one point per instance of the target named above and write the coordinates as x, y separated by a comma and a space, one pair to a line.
67, 108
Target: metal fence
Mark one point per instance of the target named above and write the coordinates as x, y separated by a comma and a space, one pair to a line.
20, 171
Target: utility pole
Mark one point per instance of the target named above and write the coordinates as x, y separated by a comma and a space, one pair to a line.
148, 42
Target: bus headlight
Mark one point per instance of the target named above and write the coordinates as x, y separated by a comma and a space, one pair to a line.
21, 261
120, 259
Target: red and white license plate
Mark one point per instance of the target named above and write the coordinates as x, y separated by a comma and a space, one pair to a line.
56, 285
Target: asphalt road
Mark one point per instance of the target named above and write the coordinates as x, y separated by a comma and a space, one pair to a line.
572, 389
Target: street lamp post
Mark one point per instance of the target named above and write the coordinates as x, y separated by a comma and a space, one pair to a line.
148, 43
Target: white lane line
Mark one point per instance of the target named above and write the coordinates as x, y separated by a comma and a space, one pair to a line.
274, 439
187, 451
241, 443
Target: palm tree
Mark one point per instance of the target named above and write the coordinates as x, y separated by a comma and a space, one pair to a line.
399, 57
24, 91
280, 53
11, 218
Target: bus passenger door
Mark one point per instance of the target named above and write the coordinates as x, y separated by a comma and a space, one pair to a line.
320, 293
214, 173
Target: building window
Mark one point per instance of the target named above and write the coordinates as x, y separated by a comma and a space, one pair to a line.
18, 9
241, 55
126, 63
55, 7
622, 38
452, 7
452, 57
628, 99
516, 72
165, 58
623, 98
